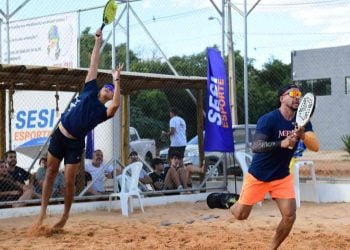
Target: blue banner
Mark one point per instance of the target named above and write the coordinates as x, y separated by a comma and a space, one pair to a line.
90, 145
218, 124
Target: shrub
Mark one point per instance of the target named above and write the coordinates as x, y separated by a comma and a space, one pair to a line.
346, 140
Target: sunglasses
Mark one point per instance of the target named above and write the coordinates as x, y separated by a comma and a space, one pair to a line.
109, 87
294, 93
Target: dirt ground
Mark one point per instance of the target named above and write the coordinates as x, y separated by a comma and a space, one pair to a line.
328, 164
184, 226
194, 225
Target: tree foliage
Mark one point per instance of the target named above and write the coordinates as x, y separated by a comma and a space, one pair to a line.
149, 108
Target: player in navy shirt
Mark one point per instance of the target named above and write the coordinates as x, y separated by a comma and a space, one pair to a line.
274, 144
67, 142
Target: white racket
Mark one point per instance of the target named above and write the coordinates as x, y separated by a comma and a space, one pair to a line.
305, 110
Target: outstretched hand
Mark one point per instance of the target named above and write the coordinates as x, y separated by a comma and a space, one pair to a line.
116, 71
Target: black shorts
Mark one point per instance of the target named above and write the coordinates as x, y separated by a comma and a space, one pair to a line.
69, 149
180, 150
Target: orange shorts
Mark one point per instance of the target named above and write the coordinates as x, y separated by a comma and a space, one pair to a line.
254, 190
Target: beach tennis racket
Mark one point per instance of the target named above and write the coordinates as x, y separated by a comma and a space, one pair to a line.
305, 110
109, 13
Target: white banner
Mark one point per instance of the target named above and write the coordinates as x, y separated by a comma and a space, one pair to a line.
45, 41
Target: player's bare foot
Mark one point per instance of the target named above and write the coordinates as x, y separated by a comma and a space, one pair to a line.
40, 220
231, 210
61, 223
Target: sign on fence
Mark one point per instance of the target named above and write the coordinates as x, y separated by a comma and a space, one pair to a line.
45, 41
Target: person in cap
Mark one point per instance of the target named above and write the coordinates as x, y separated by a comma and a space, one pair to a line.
68, 140
269, 170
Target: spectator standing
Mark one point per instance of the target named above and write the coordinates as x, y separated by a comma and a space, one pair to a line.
177, 133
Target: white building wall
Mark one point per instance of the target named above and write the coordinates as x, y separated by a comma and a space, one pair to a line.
331, 119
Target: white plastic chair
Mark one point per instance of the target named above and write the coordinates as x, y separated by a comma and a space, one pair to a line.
129, 188
297, 166
242, 158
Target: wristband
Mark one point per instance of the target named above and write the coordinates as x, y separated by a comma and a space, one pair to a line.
117, 79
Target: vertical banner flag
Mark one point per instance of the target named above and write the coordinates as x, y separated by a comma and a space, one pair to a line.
218, 123
90, 145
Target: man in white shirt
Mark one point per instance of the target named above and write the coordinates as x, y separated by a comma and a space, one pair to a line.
177, 133
98, 170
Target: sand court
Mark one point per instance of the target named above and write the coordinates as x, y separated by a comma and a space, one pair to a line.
184, 226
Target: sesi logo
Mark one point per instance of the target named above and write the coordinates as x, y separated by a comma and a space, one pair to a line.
217, 105
31, 119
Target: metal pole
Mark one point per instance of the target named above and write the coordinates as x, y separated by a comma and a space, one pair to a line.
78, 41
0, 40
127, 56
8, 30
223, 28
231, 67
246, 109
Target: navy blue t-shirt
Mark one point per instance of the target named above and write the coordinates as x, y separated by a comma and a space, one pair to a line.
85, 112
274, 165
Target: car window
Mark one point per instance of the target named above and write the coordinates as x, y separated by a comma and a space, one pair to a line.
133, 137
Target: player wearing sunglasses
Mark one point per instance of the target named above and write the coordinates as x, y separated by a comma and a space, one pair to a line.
68, 140
269, 170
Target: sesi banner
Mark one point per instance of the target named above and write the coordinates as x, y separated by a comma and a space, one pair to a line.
218, 123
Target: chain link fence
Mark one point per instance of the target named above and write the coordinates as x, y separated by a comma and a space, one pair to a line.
174, 42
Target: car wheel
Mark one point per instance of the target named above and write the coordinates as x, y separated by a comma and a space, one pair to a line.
210, 163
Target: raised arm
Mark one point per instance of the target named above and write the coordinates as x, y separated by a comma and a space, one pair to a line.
95, 57
113, 107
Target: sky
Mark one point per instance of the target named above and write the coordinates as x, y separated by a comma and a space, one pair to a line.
182, 27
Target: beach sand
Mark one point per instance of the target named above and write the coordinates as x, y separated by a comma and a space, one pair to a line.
184, 226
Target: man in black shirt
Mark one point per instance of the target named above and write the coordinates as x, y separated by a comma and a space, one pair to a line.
19, 174
158, 175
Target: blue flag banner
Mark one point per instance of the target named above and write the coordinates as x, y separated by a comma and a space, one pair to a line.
218, 124
90, 145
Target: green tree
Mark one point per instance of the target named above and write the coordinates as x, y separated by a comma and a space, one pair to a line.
87, 42
149, 109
